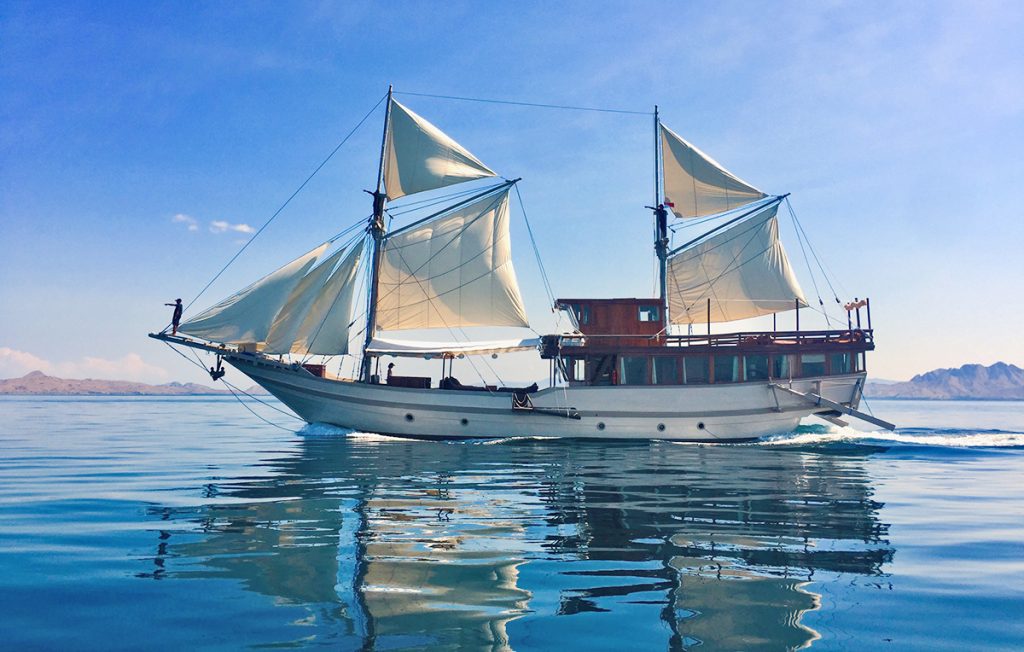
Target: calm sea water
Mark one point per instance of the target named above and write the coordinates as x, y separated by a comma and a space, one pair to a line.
188, 523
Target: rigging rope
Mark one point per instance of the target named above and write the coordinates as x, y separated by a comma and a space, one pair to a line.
814, 253
286, 202
810, 272
536, 250
232, 389
533, 104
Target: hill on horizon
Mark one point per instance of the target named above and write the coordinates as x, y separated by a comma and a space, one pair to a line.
1000, 381
38, 383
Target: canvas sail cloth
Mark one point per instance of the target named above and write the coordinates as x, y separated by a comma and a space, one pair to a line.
421, 157
316, 318
246, 316
743, 270
452, 271
696, 184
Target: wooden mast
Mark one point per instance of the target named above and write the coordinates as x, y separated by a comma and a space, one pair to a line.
661, 228
377, 230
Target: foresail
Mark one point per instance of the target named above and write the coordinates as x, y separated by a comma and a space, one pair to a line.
325, 329
743, 270
696, 184
285, 329
452, 271
246, 316
421, 157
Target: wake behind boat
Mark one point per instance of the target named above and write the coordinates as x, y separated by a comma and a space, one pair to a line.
620, 372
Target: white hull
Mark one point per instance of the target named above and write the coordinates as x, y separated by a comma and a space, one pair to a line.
710, 413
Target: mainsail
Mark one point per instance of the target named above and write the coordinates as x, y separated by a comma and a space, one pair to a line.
421, 157
743, 270
696, 184
247, 316
451, 271
316, 317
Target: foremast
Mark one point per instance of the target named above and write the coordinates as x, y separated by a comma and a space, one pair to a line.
377, 230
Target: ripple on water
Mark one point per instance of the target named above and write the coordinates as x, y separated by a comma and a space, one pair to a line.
130, 522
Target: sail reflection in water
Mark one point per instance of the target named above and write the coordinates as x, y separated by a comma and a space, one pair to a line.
394, 544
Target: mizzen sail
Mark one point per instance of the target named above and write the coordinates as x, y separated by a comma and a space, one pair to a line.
743, 270
696, 184
452, 271
421, 157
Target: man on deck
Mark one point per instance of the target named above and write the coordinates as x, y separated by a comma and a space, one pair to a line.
176, 319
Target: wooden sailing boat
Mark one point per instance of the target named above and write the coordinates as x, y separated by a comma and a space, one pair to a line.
621, 373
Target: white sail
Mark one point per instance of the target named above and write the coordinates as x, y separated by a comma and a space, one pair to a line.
743, 270
246, 316
421, 157
325, 329
696, 184
285, 328
452, 271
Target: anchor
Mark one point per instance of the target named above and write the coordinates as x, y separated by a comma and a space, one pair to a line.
216, 373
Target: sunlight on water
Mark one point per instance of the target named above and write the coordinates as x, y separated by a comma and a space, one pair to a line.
183, 523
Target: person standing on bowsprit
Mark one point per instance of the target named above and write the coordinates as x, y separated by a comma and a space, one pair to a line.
176, 318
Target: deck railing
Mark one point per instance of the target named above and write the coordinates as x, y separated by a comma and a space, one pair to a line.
746, 339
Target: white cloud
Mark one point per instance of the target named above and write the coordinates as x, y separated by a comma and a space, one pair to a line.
14, 363
190, 222
220, 226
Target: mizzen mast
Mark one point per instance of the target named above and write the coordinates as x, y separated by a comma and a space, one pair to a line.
661, 227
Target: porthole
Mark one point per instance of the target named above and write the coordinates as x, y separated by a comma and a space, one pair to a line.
600, 425
464, 421
661, 427
700, 426
409, 417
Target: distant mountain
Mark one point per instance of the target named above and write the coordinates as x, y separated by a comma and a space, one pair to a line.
1000, 381
38, 383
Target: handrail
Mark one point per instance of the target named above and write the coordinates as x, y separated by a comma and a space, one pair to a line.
743, 338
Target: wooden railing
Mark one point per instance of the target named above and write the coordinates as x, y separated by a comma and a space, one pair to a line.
864, 337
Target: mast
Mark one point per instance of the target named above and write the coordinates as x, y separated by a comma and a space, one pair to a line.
377, 230
661, 228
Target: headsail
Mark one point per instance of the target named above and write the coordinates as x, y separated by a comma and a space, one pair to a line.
452, 271
696, 184
421, 157
246, 316
325, 329
743, 270
319, 307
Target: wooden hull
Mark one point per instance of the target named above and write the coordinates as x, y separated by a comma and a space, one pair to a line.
705, 413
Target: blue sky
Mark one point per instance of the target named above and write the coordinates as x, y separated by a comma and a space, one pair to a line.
898, 127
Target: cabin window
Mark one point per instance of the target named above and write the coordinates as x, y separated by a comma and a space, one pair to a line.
858, 361
632, 370
812, 364
666, 371
649, 313
782, 366
756, 367
727, 368
695, 370
580, 312
840, 363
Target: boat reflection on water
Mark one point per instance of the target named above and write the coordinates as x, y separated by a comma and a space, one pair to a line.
394, 544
